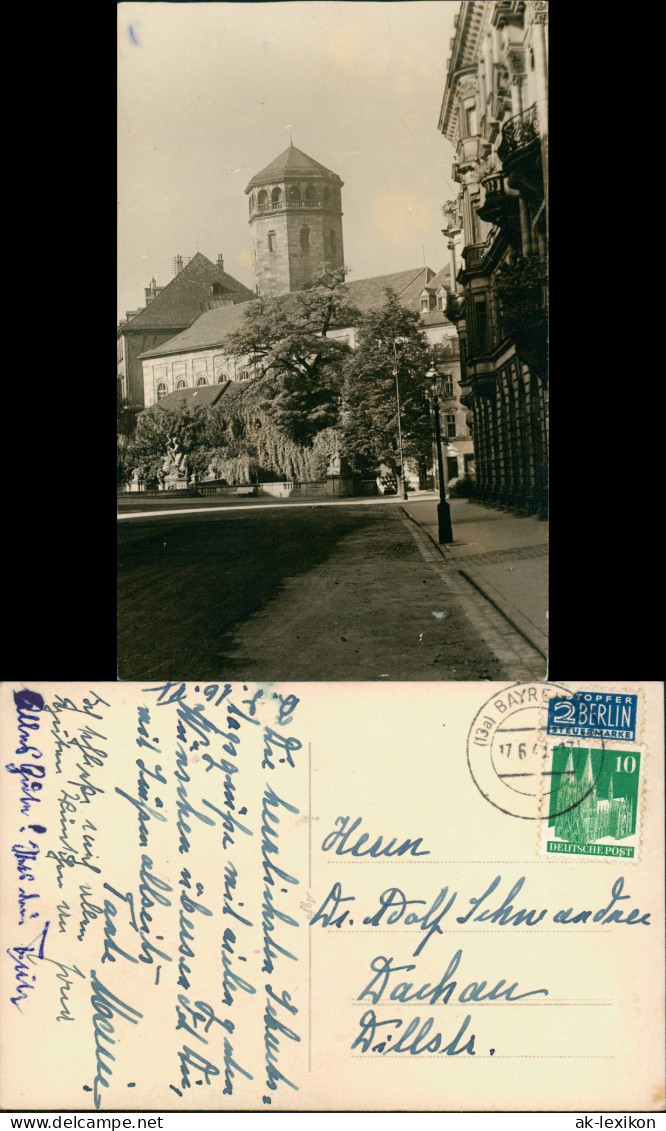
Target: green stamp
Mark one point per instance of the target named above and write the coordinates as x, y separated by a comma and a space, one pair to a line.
594, 802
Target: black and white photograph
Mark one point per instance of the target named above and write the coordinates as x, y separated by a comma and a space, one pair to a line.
332, 375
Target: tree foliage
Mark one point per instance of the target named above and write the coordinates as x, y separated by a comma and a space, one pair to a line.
389, 341
298, 366
234, 440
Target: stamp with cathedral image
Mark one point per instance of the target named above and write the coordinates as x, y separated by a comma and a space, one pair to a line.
593, 804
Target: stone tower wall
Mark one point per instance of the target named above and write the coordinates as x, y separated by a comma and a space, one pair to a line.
289, 267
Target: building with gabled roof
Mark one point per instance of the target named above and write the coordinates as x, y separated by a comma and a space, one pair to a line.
198, 285
296, 226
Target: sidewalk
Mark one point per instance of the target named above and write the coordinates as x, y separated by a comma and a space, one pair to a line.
503, 555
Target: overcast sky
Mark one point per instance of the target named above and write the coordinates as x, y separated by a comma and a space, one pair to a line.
207, 89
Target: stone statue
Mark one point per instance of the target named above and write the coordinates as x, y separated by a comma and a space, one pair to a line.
450, 212
175, 463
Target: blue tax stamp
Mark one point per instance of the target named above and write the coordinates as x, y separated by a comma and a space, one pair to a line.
594, 714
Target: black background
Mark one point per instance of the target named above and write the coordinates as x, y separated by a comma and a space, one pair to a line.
58, 489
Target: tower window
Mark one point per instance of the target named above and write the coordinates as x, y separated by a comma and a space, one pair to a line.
327, 195
305, 239
332, 242
262, 200
271, 241
275, 197
161, 390
294, 193
310, 193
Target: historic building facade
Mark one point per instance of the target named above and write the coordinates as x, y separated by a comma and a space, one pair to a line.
295, 222
494, 112
294, 193
198, 285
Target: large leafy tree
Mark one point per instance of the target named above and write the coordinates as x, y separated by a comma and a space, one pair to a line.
390, 343
155, 429
298, 366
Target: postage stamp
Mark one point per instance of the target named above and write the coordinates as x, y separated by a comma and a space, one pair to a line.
583, 792
594, 802
594, 714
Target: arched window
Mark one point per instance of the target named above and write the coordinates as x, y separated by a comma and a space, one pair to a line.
305, 239
245, 375
202, 380
262, 199
275, 197
271, 241
222, 377
294, 193
181, 385
161, 390
310, 193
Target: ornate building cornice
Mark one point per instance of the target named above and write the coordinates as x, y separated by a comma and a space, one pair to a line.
472, 22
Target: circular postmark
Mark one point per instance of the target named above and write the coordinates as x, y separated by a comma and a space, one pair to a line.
517, 766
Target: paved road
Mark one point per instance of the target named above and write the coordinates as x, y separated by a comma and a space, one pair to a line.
290, 593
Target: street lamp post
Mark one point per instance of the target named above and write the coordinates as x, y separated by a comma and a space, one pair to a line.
445, 532
397, 397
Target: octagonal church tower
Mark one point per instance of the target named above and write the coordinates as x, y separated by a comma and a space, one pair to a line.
296, 222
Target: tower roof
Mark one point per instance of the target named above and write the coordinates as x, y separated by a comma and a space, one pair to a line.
293, 162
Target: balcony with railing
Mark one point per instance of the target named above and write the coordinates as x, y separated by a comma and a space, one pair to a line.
474, 254
520, 135
455, 305
500, 206
508, 12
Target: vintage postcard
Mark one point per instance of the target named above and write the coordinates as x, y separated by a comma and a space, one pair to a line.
332, 369
404, 897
